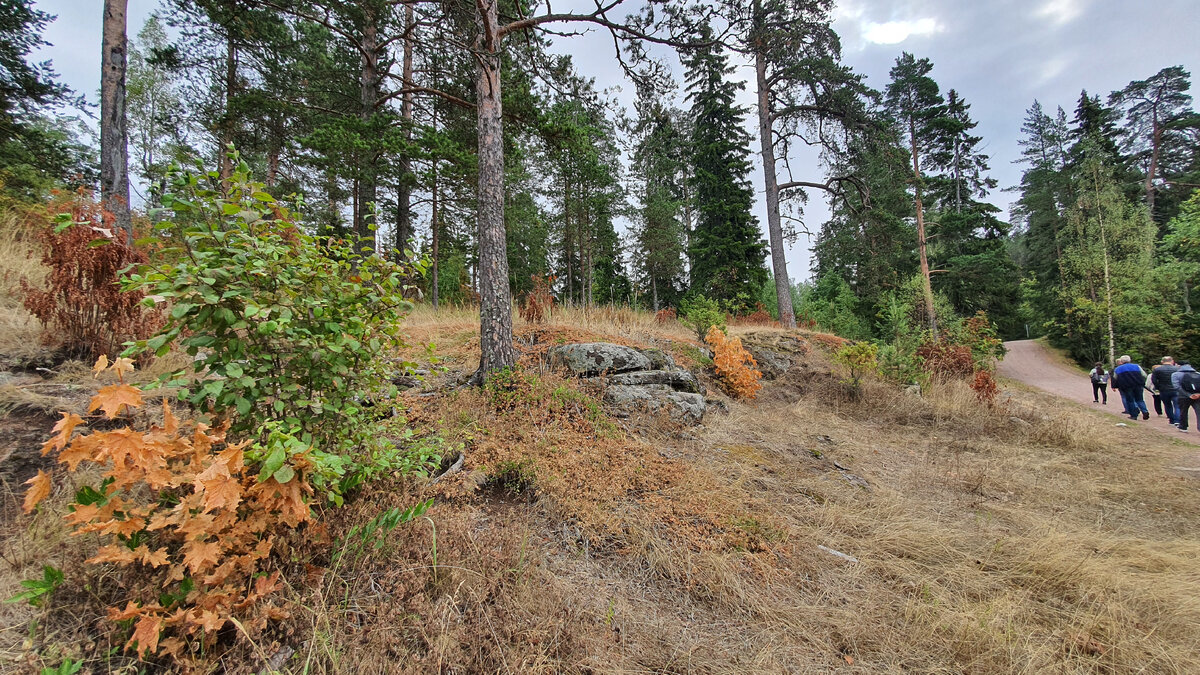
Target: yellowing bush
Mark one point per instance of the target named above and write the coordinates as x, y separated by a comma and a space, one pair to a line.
735, 366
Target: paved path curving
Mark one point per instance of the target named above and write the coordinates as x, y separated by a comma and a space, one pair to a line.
1028, 361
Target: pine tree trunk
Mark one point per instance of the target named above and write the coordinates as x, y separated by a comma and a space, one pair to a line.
368, 97
114, 139
957, 178
929, 309
226, 136
766, 136
579, 236
1155, 144
495, 297
404, 226
436, 231
568, 247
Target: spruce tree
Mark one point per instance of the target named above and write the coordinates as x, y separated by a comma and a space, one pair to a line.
726, 250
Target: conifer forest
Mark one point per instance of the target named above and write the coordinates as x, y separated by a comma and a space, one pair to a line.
429, 129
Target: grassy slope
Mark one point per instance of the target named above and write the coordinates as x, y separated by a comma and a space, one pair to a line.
983, 545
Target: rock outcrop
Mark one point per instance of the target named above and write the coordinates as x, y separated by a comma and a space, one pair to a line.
635, 381
585, 359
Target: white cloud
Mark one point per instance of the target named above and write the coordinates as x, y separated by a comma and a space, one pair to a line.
1061, 11
895, 32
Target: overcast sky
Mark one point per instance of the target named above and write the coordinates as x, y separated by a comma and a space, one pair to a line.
999, 54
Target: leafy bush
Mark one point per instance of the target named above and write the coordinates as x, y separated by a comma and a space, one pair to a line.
286, 329
702, 314
860, 358
189, 508
759, 317
984, 386
735, 366
82, 307
946, 360
979, 335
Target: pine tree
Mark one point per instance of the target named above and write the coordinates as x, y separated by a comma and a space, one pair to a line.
1154, 107
726, 250
917, 105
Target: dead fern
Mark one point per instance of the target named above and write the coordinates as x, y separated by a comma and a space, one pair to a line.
539, 302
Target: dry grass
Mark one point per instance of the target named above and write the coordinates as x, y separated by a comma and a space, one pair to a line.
20, 258
983, 545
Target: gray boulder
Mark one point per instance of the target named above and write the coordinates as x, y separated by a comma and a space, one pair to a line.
771, 363
679, 380
627, 400
593, 358
659, 360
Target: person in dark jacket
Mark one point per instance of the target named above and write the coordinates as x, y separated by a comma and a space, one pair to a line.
1187, 383
1099, 378
1129, 379
1160, 381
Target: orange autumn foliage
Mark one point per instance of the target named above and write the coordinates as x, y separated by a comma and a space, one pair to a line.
182, 504
735, 366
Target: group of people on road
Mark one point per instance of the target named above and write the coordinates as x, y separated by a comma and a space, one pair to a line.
1174, 386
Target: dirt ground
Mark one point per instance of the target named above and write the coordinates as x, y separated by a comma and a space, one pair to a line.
1031, 363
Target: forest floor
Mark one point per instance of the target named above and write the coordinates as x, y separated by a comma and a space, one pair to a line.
813, 529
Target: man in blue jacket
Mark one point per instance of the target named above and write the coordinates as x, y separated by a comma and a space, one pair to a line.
1129, 379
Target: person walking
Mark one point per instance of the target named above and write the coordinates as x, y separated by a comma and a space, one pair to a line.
1187, 383
1160, 379
1099, 382
1154, 391
1129, 379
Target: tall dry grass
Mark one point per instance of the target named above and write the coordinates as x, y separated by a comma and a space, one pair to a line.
20, 259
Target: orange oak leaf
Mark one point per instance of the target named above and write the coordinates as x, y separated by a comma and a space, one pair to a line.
83, 513
131, 610
101, 365
199, 556
39, 489
113, 553
170, 422
172, 647
62, 432
113, 398
156, 558
145, 634
208, 620
121, 366
223, 492
90, 448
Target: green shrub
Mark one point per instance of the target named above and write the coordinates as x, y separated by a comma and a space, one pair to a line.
285, 328
701, 313
860, 358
